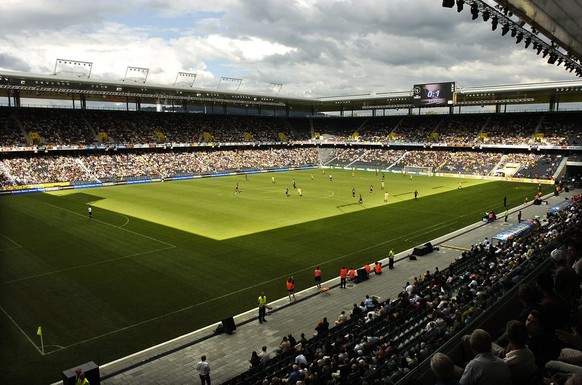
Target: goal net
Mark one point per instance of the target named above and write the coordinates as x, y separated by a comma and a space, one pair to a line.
418, 170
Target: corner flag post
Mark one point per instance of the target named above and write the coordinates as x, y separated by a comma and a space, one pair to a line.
39, 333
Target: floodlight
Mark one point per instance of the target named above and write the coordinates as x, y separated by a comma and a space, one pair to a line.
448, 3
519, 38
485, 15
460, 4
494, 23
552, 59
527, 41
474, 11
504, 29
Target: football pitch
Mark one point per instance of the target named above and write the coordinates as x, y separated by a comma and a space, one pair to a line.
160, 260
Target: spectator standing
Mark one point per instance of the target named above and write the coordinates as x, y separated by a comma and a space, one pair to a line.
80, 375
291, 287
343, 277
203, 368
391, 259
317, 274
262, 301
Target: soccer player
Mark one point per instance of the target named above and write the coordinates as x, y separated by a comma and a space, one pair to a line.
287, 192
90, 211
294, 184
371, 189
361, 200
330, 178
236, 189
299, 192
272, 179
382, 185
353, 192
385, 196
415, 194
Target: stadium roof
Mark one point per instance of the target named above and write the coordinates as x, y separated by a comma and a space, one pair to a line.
558, 20
68, 88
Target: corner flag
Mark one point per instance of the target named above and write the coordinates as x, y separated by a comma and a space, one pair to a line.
39, 331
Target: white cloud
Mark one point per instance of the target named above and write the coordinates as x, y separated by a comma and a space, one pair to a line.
314, 47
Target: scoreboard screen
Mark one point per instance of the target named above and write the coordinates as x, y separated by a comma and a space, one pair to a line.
433, 94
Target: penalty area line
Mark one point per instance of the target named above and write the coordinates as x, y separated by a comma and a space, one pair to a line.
117, 227
21, 330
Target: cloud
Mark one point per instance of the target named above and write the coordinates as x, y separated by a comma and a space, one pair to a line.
313, 47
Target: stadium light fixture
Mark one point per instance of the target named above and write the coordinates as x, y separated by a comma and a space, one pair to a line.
485, 15
513, 32
494, 23
552, 59
460, 4
504, 29
448, 3
474, 11
527, 41
519, 38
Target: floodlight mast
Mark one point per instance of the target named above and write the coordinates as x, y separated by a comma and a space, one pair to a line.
139, 70
224, 79
276, 87
64, 63
189, 79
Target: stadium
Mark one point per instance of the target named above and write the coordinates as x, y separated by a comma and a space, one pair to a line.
141, 222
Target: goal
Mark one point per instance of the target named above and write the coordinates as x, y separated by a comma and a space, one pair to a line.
418, 170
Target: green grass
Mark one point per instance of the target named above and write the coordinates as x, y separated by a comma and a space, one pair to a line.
160, 260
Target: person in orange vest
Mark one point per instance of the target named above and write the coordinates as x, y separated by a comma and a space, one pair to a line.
352, 275
368, 269
291, 287
317, 273
378, 268
343, 277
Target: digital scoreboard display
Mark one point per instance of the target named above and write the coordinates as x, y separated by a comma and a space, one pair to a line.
433, 94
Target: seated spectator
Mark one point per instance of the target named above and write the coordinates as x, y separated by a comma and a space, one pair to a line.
342, 318
485, 368
322, 327
264, 355
443, 369
356, 311
378, 268
255, 360
285, 346
518, 358
369, 303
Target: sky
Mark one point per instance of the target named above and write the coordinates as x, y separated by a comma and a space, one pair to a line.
299, 48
